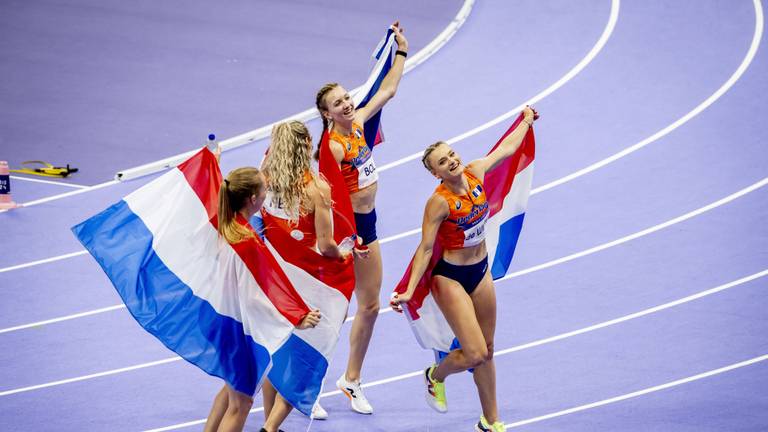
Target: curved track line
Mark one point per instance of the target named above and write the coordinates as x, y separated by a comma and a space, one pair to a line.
641, 392
560, 337
607, 32
614, 11
604, 246
751, 188
240, 140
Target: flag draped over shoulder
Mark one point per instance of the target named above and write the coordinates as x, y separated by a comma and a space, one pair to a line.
343, 216
301, 364
224, 308
507, 188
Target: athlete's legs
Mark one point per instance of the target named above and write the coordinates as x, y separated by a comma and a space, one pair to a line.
238, 406
367, 287
277, 415
268, 393
484, 300
218, 409
459, 311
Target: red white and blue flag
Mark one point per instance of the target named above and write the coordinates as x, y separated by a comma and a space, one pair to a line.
383, 56
507, 188
224, 308
324, 283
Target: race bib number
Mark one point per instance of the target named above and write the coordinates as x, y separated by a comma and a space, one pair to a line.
367, 174
475, 235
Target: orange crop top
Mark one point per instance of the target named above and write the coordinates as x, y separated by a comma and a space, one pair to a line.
357, 167
465, 224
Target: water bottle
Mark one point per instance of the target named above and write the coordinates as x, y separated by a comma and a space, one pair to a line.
212, 144
347, 244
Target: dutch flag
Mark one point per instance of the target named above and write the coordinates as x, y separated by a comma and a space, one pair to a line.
327, 284
507, 188
224, 308
383, 56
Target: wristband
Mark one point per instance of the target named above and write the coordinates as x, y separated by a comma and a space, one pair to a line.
402, 53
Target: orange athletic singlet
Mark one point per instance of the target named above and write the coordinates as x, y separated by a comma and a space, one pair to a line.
357, 167
465, 225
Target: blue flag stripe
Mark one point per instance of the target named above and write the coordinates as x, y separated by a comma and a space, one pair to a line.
165, 306
509, 232
298, 372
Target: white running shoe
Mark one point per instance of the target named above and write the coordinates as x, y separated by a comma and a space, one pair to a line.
318, 412
354, 392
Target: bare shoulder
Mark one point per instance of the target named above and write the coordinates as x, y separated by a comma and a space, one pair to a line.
477, 168
437, 207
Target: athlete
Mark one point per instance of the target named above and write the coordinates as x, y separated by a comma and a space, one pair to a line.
455, 215
297, 202
353, 154
241, 195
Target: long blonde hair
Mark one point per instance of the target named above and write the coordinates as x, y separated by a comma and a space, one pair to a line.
286, 166
239, 186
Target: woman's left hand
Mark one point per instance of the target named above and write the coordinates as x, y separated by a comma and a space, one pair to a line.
402, 42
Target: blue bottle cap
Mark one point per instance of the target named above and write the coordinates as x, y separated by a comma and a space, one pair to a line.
211, 137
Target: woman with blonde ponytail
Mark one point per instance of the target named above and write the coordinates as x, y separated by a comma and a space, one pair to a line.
241, 195
347, 142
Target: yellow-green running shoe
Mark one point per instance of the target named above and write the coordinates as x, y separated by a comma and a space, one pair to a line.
484, 426
435, 391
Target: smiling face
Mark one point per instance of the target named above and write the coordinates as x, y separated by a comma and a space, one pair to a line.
443, 161
338, 106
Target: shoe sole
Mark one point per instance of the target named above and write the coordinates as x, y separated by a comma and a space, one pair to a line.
349, 396
430, 400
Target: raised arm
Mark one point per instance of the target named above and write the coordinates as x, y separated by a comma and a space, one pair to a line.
390, 82
435, 212
508, 146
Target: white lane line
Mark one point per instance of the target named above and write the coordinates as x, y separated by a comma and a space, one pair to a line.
51, 182
44, 261
751, 188
607, 32
536, 343
557, 338
87, 377
684, 119
640, 392
63, 318
67, 194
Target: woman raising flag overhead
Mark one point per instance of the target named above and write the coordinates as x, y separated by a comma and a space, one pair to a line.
345, 153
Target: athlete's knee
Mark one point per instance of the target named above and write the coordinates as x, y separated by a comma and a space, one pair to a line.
239, 403
370, 308
489, 355
475, 357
